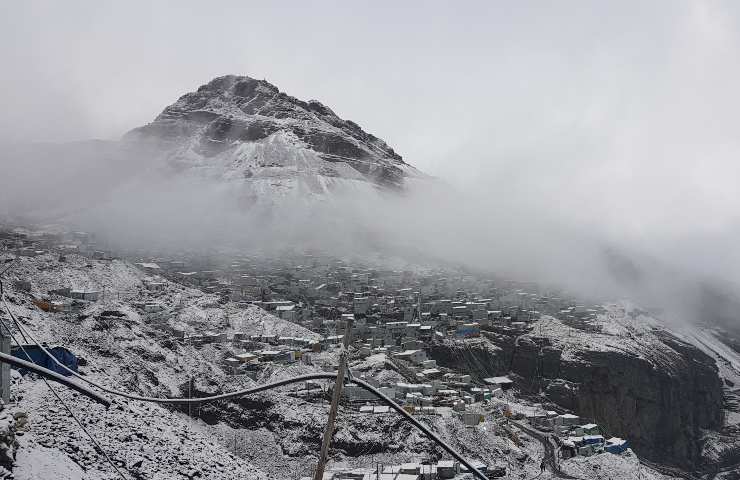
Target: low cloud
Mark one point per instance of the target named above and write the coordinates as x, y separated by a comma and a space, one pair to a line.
594, 149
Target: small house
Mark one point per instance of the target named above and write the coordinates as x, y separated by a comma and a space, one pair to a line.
431, 373
246, 357
86, 295
428, 472
446, 469
355, 393
504, 383
471, 419
567, 419
413, 356
586, 451
277, 356
149, 266
410, 468
590, 429
153, 286
232, 363
616, 445
286, 312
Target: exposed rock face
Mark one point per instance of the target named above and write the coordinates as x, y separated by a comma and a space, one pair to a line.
248, 128
649, 387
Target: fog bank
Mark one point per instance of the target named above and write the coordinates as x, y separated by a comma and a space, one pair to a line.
591, 146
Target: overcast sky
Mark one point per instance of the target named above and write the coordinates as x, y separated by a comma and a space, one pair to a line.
621, 116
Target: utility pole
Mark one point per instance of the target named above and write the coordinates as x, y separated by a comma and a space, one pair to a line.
329, 432
5, 344
5, 368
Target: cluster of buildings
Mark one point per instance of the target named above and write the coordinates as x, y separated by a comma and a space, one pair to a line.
453, 393
587, 445
435, 391
315, 290
35, 243
440, 470
574, 437
390, 306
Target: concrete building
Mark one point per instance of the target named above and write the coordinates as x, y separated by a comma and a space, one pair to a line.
87, 295
414, 356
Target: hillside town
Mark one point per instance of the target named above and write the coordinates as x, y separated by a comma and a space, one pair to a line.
397, 316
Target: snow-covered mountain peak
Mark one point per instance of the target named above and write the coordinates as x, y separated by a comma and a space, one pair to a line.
245, 130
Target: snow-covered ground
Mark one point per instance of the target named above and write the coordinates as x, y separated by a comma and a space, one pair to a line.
610, 467
145, 441
707, 340
723, 446
622, 327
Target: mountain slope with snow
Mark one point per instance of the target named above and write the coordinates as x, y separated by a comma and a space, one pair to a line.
271, 435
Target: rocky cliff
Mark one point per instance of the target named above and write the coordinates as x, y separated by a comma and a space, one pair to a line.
633, 379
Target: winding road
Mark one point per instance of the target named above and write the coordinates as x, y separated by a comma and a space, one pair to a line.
551, 458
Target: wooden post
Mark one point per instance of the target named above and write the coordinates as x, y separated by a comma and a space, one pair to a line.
329, 432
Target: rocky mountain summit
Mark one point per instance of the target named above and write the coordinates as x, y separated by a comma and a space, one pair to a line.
234, 141
240, 129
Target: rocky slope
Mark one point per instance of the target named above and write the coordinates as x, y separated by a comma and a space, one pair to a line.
721, 448
626, 374
243, 130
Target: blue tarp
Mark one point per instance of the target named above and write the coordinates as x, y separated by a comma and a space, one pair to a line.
40, 358
593, 439
617, 448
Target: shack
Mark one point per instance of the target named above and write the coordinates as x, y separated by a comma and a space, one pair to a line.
616, 445
87, 295
504, 383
